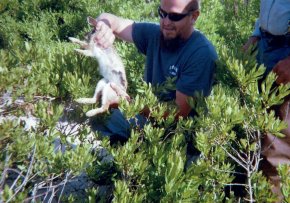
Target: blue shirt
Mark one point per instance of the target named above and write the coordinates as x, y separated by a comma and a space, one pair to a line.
274, 17
193, 63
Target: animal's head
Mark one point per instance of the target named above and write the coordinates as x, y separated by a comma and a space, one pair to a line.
88, 44
93, 23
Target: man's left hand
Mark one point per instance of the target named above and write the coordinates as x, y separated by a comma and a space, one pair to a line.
282, 69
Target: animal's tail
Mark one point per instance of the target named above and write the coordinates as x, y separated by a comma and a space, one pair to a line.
86, 100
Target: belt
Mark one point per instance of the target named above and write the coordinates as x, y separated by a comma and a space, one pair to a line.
276, 40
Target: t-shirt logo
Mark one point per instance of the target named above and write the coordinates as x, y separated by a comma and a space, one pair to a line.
173, 70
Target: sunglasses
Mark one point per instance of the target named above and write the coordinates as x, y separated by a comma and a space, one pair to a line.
172, 16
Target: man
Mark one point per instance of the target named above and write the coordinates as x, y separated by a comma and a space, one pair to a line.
173, 49
272, 32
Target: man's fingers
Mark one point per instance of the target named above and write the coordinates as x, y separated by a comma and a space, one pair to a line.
104, 43
251, 42
279, 80
99, 25
282, 71
276, 70
246, 46
112, 38
104, 36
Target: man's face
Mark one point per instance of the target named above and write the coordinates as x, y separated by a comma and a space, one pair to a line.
180, 29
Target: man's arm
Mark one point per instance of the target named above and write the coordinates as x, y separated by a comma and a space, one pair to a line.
109, 26
254, 38
182, 103
282, 69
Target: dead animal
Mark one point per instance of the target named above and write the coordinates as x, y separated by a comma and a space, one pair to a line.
113, 86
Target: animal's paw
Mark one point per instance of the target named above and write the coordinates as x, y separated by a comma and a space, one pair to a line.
95, 112
86, 100
120, 92
74, 40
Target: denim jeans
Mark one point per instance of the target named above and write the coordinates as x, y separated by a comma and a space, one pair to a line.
117, 126
270, 54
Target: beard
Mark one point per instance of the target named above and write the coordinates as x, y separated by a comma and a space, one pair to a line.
170, 44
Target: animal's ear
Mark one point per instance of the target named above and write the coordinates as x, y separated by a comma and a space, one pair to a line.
92, 21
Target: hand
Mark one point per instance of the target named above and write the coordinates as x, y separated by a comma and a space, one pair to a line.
251, 42
145, 112
104, 35
120, 94
282, 69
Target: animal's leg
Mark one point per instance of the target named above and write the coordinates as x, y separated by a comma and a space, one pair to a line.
94, 112
109, 97
79, 42
98, 91
100, 86
86, 100
85, 52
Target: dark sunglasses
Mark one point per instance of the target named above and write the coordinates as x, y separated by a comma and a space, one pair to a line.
172, 16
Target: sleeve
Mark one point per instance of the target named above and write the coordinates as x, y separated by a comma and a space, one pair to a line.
142, 35
256, 31
198, 74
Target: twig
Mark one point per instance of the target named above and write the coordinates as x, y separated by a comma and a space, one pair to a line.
234, 158
65, 181
16, 180
236, 184
52, 195
26, 177
6, 164
225, 171
48, 188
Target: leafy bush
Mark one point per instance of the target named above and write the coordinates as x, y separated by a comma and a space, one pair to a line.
39, 67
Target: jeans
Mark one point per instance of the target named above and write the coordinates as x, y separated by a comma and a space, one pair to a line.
270, 54
116, 126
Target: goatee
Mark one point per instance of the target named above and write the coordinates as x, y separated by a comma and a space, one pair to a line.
170, 44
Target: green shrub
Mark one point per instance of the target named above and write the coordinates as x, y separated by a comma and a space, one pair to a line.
38, 64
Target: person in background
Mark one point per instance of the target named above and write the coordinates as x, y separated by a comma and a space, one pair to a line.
173, 49
272, 36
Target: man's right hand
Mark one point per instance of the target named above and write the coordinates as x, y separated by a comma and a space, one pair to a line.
282, 69
109, 27
251, 42
104, 35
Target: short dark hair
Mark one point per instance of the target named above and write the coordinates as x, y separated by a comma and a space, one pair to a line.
193, 5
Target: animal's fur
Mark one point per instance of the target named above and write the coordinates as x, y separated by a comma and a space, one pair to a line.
113, 86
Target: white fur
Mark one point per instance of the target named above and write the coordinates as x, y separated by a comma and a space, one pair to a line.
113, 86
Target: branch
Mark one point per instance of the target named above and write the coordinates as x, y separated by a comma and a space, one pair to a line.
6, 164
234, 158
236, 184
65, 181
233, 172
26, 177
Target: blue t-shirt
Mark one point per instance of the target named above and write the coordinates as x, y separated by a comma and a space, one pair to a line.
193, 63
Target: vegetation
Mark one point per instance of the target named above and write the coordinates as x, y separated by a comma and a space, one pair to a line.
39, 67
